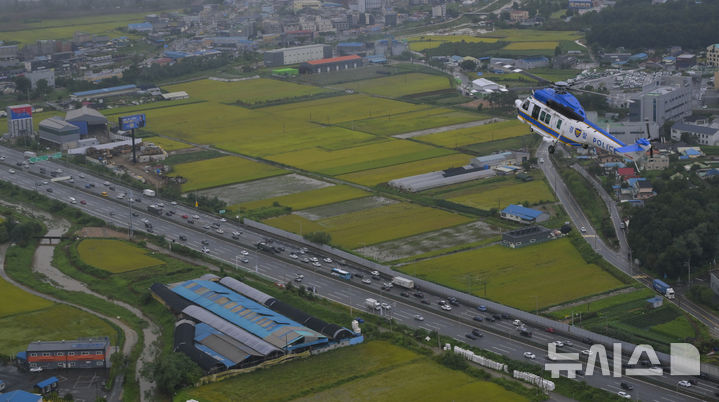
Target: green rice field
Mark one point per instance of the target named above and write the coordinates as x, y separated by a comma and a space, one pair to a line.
167, 144
525, 278
500, 194
223, 170
373, 371
401, 84
392, 124
473, 135
308, 199
115, 256
371, 226
250, 92
373, 177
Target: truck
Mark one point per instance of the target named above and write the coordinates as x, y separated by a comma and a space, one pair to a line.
29, 154
403, 282
148, 193
372, 304
663, 288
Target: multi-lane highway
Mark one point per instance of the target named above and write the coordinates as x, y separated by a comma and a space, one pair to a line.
500, 337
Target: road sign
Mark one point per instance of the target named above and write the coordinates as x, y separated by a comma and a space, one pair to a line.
222, 211
56, 155
131, 122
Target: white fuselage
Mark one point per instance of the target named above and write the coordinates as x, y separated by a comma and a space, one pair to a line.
554, 126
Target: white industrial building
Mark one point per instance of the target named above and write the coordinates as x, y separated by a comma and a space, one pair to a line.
296, 55
426, 181
485, 86
47, 74
704, 134
175, 95
663, 103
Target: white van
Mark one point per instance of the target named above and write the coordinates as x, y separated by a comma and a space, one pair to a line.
73, 200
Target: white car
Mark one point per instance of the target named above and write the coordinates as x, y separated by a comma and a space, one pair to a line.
223, 220
418, 317
530, 355
12, 171
374, 273
314, 259
386, 306
586, 352
173, 202
195, 216
446, 307
624, 395
245, 260
327, 260
293, 256
244, 252
2, 158
220, 231
82, 176
367, 281
517, 323
685, 383
236, 234
205, 250
559, 344
583, 229
316, 264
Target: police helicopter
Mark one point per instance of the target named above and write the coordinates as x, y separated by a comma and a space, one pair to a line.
557, 116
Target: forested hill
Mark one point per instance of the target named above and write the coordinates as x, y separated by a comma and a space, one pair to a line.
637, 24
679, 225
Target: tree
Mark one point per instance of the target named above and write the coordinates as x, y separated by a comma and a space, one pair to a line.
318, 237
468, 65
172, 372
22, 86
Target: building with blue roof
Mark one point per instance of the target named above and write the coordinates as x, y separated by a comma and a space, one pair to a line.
104, 92
48, 385
249, 315
638, 57
20, 396
522, 214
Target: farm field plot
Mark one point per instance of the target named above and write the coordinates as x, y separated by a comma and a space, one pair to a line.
224, 170
344, 207
546, 45
391, 124
500, 194
54, 322
258, 190
308, 199
167, 144
419, 43
14, 300
533, 35
401, 84
473, 135
392, 250
376, 225
373, 177
603, 303
248, 91
515, 276
341, 109
115, 256
352, 369
65, 28
252, 132
363, 157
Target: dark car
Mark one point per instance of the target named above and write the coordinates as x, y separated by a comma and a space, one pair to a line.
482, 308
205, 242
419, 295
506, 316
587, 340
490, 319
693, 381
358, 275
470, 336
497, 316
404, 294
183, 237
190, 221
453, 302
112, 188
627, 386
476, 333
135, 214
49, 190
424, 301
478, 318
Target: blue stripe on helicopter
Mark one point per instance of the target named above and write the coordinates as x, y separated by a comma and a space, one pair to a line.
611, 137
549, 130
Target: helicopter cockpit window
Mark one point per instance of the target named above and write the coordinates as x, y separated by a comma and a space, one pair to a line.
535, 111
525, 105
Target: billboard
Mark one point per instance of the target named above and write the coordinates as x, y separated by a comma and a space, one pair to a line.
131, 122
20, 112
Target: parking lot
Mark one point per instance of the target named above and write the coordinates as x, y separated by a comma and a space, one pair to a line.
83, 384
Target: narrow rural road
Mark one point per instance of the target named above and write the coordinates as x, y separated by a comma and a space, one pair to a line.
447, 128
42, 263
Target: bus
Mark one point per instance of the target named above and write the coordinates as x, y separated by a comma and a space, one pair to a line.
341, 273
